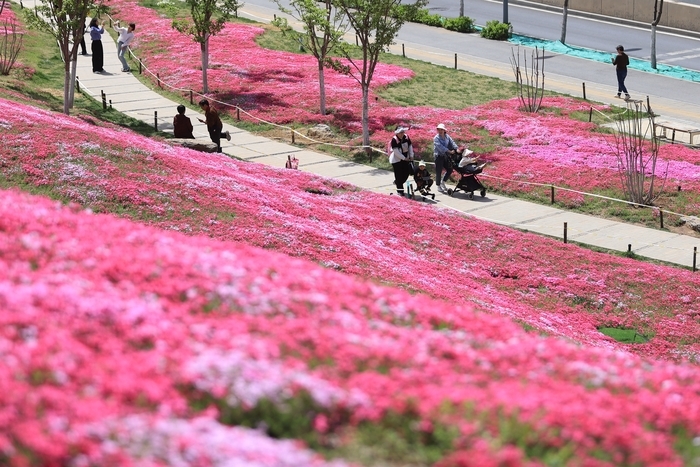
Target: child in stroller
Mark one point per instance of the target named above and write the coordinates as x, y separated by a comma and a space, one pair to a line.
423, 181
468, 169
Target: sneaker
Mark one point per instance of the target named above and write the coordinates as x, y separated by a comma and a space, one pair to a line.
618, 95
127, 70
228, 136
443, 187
627, 97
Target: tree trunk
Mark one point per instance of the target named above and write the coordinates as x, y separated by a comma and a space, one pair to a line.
365, 116
653, 46
205, 65
461, 8
71, 91
658, 9
66, 85
322, 87
564, 18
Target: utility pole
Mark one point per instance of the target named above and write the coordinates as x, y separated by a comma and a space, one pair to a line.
505, 11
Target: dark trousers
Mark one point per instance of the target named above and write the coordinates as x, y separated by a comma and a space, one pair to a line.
441, 162
621, 75
215, 135
402, 170
98, 59
83, 50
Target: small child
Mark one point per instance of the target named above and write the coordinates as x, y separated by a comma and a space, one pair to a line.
422, 179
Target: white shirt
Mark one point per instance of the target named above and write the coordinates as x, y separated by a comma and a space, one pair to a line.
125, 37
396, 154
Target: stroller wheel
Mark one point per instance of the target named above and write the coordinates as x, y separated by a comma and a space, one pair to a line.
483, 193
471, 195
450, 191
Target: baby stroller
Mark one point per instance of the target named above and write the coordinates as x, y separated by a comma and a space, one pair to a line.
468, 180
423, 182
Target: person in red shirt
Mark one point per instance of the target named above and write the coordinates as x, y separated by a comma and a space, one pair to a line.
182, 125
214, 125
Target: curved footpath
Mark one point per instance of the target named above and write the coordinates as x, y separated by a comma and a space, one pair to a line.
128, 95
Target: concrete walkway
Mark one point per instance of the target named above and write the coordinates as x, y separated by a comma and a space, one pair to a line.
128, 95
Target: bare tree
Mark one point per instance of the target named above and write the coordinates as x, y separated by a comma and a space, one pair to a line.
2, 6
208, 18
530, 80
637, 149
564, 19
323, 28
461, 8
658, 8
10, 45
65, 20
376, 23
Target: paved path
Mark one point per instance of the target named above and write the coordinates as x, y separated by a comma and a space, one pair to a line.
128, 95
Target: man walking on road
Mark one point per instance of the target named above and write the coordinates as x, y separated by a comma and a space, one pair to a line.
621, 60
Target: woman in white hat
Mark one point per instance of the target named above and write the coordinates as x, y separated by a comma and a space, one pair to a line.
400, 158
443, 148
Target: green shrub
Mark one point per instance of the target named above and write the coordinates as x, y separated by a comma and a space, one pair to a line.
461, 24
425, 17
497, 31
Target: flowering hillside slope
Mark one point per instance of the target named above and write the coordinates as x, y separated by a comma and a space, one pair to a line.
124, 344
555, 288
547, 147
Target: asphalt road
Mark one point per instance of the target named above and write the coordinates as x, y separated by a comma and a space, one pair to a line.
492, 58
671, 49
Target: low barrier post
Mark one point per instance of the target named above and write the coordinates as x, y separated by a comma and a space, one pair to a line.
238, 114
590, 115
140, 66
292, 136
403, 50
584, 92
695, 257
155, 119
629, 248
110, 104
104, 100
565, 232
455, 61
191, 97
552, 194
158, 78
661, 218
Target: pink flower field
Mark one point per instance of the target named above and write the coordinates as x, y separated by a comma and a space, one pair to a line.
281, 87
166, 307
111, 324
125, 344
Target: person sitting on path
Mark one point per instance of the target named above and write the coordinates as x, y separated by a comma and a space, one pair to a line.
126, 35
182, 125
443, 147
214, 124
400, 158
621, 61
96, 31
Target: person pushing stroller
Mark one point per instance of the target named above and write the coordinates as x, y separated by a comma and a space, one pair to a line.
444, 148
